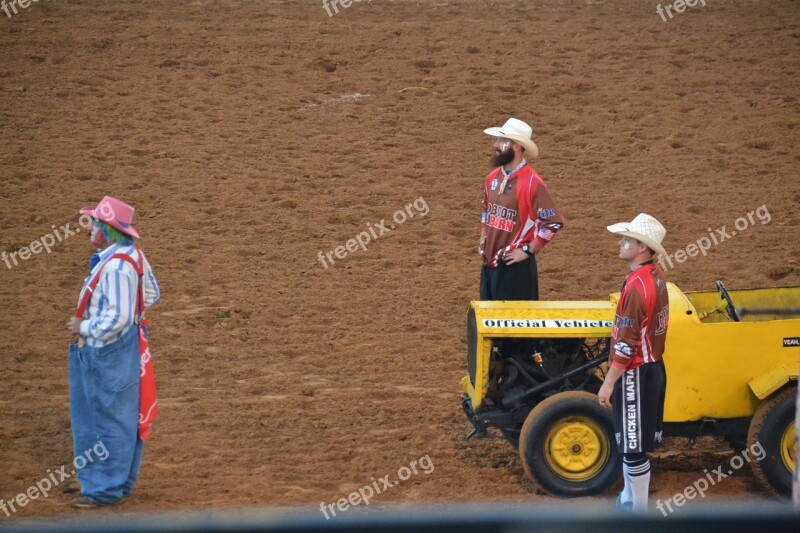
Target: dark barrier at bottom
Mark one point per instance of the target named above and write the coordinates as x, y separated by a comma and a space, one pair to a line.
557, 518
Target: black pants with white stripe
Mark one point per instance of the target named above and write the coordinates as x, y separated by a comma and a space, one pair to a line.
638, 408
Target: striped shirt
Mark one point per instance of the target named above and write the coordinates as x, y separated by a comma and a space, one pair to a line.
112, 308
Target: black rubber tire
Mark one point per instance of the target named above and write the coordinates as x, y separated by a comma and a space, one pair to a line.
772, 420
593, 424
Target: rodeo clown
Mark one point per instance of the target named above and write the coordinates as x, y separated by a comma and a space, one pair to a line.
636, 382
519, 216
104, 362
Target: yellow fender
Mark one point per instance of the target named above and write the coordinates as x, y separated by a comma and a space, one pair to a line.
764, 385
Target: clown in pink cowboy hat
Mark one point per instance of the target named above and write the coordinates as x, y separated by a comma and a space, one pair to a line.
104, 359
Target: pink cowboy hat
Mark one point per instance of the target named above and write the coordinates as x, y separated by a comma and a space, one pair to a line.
114, 212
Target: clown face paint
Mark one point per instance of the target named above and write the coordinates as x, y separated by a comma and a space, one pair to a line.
503, 153
96, 237
627, 248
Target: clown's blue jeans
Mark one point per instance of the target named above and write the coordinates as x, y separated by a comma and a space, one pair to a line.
104, 406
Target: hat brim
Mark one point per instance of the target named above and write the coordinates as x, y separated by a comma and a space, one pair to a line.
531, 149
92, 212
623, 228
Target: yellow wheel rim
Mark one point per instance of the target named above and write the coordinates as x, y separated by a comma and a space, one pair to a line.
787, 447
576, 448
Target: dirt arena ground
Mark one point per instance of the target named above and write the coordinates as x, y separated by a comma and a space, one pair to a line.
251, 136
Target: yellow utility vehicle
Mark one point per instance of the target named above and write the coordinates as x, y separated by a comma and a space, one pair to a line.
732, 361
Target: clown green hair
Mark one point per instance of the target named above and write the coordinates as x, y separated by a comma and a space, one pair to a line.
112, 234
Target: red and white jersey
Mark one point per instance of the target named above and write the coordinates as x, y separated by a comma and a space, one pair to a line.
642, 316
520, 213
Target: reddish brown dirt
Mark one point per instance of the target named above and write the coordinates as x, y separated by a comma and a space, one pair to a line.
285, 383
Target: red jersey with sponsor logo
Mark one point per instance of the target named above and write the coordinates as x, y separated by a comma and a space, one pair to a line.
640, 324
520, 213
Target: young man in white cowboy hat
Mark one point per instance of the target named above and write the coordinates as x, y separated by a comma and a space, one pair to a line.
636, 381
104, 363
519, 218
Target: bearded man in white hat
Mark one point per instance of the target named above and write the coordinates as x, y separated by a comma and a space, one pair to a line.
519, 218
636, 382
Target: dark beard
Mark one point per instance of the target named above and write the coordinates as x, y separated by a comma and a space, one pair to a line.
501, 158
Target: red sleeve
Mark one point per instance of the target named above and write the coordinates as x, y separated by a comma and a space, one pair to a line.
548, 216
485, 206
625, 335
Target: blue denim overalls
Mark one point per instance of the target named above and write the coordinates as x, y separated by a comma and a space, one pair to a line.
104, 406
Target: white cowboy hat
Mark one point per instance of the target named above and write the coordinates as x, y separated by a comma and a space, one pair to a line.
517, 131
643, 228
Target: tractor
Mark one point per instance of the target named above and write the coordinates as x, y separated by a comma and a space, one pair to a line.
732, 360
